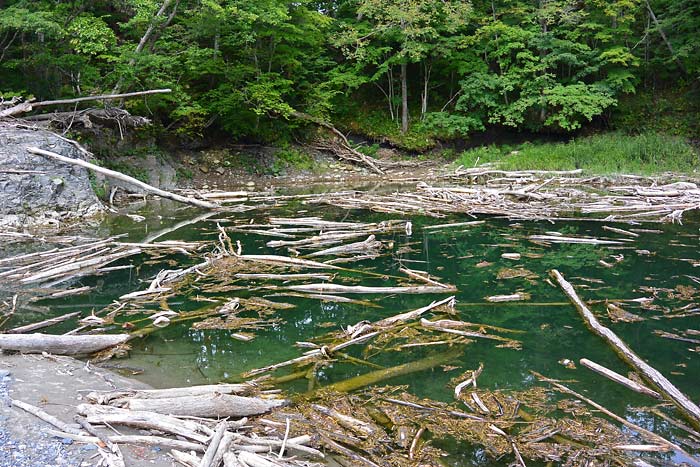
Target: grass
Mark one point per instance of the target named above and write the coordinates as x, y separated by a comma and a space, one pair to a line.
609, 153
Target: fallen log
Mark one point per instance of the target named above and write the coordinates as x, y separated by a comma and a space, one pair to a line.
686, 406
28, 106
642, 431
355, 155
133, 439
48, 418
618, 378
43, 324
212, 405
107, 415
60, 345
125, 178
97, 397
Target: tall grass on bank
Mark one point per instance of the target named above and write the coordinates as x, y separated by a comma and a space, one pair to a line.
608, 153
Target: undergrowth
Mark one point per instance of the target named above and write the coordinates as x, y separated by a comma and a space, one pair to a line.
608, 153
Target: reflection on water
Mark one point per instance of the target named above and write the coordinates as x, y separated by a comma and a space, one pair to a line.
661, 266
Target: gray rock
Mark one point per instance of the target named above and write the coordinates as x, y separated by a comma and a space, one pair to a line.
58, 187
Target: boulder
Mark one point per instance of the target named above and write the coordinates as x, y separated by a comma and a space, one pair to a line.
32, 186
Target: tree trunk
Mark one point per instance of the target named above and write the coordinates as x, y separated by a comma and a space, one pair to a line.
404, 98
665, 38
426, 87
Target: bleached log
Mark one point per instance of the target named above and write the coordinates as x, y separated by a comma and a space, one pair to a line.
60, 345
686, 406
125, 178
208, 458
48, 418
43, 324
563, 239
28, 106
287, 261
98, 397
449, 301
618, 378
184, 458
214, 405
74, 266
518, 296
102, 415
133, 439
283, 277
358, 247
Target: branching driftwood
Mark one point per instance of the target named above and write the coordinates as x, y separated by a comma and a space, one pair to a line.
28, 106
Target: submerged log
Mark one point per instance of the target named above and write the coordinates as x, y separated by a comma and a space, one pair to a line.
374, 377
359, 289
125, 178
686, 406
60, 345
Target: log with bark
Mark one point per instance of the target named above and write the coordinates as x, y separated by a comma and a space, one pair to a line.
207, 405
60, 345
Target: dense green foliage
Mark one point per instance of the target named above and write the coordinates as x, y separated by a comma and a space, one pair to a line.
610, 153
411, 71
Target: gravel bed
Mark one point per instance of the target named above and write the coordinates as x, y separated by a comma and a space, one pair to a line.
37, 449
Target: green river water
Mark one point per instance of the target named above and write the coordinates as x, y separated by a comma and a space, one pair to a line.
552, 328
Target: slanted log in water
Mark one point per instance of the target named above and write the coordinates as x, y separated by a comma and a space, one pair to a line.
125, 178
400, 370
646, 433
43, 324
687, 407
409, 315
618, 378
60, 345
212, 405
359, 289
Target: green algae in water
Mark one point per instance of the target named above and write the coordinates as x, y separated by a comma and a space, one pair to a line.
653, 277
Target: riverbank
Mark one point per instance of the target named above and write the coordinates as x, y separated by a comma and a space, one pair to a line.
56, 385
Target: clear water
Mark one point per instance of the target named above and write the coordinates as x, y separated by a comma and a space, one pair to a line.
553, 330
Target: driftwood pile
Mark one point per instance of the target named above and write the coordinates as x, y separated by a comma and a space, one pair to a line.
533, 198
355, 419
201, 426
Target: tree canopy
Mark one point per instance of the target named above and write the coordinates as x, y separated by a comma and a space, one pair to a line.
245, 67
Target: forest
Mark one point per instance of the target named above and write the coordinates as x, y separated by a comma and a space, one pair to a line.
408, 72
